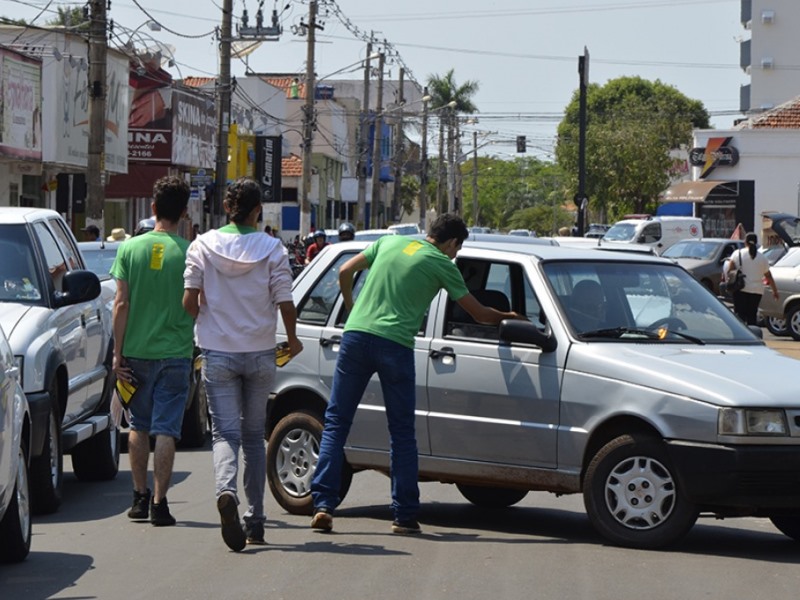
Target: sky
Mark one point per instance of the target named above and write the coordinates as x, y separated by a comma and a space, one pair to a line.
522, 53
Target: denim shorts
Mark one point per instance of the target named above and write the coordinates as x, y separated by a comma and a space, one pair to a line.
161, 394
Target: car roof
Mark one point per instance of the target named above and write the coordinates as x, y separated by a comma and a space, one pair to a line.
10, 215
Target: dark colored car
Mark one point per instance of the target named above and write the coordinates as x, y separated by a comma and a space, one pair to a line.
703, 258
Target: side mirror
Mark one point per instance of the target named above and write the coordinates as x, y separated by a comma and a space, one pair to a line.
525, 332
79, 286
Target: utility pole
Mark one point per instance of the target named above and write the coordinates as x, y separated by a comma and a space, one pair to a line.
581, 201
376, 150
95, 174
423, 178
223, 113
363, 141
398, 150
309, 120
440, 178
475, 178
451, 173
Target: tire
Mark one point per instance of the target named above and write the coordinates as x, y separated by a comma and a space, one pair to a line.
195, 418
645, 509
788, 525
489, 497
793, 322
47, 470
776, 326
15, 528
292, 454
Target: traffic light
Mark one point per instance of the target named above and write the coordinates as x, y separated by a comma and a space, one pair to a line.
520, 143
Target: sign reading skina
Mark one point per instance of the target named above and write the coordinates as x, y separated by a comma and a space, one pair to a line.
268, 166
717, 153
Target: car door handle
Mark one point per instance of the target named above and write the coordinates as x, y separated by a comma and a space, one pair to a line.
334, 339
446, 351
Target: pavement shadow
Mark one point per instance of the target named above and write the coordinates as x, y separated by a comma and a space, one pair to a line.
34, 580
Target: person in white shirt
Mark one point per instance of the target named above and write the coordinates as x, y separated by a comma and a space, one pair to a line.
755, 268
235, 278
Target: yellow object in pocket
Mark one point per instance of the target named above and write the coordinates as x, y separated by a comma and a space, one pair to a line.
126, 391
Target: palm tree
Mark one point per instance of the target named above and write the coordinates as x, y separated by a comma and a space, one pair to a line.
442, 91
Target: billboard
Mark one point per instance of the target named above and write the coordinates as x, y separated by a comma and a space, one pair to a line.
194, 130
21, 108
268, 166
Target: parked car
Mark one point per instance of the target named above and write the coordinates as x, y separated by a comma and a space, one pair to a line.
58, 323
522, 232
631, 384
405, 228
99, 258
15, 444
782, 316
596, 230
657, 232
704, 258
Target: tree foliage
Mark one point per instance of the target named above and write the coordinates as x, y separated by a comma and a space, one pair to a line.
72, 17
632, 126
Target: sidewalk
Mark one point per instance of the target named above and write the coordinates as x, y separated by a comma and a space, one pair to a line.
786, 346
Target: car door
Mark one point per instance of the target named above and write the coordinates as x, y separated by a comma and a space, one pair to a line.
491, 401
67, 321
369, 430
8, 450
96, 322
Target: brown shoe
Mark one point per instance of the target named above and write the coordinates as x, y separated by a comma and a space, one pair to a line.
323, 520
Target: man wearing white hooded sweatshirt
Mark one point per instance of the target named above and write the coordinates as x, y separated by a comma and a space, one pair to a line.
235, 278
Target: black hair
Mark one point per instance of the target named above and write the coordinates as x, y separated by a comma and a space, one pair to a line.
242, 197
446, 227
171, 197
751, 239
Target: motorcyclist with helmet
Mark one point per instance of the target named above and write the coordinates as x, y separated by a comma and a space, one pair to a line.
347, 232
320, 241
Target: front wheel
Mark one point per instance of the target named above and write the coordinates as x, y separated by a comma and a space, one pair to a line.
491, 497
15, 528
632, 496
292, 455
777, 326
788, 526
47, 470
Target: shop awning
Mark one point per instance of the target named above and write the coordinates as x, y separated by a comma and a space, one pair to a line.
693, 191
137, 182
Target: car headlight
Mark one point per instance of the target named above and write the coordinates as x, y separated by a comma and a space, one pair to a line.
752, 421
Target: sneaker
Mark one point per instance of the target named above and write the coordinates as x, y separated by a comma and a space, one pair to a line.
323, 520
232, 532
160, 515
406, 527
255, 533
140, 509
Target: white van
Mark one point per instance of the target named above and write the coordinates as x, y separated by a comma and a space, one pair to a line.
657, 232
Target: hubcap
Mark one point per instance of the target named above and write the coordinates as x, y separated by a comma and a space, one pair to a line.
297, 458
640, 493
795, 322
777, 324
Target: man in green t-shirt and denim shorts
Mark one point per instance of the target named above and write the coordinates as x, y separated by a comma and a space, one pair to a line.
153, 345
404, 276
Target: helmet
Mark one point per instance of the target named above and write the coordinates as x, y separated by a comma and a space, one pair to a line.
144, 226
319, 233
347, 232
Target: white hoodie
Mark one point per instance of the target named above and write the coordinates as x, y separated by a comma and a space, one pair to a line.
242, 278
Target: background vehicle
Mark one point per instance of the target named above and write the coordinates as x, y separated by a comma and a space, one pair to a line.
657, 232
782, 316
15, 443
59, 326
630, 384
99, 258
405, 229
522, 232
704, 258
596, 230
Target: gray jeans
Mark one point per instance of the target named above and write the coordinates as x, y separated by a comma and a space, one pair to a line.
238, 385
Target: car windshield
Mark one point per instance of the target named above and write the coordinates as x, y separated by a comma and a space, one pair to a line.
696, 250
658, 303
19, 278
621, 232
99, 260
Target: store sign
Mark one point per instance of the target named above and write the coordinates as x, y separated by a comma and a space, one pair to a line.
194, 130
717, 153
150, 145
268, 166
21, 114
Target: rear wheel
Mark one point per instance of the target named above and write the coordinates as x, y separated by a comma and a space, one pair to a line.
777, 326
632, 496
47, 470
15, 528
97, 459
490, 497
788, 526
793, 321
292, 455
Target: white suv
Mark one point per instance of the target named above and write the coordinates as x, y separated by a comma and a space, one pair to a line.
59, 328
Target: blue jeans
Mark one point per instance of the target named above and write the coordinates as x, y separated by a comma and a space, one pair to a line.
237, 386
360, 356
161, 393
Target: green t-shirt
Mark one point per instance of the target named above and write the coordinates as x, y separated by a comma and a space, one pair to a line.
158, 326
404, 276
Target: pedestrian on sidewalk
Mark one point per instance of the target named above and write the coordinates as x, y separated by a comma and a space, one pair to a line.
404, 276
236, 279
755, 267
153, 345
